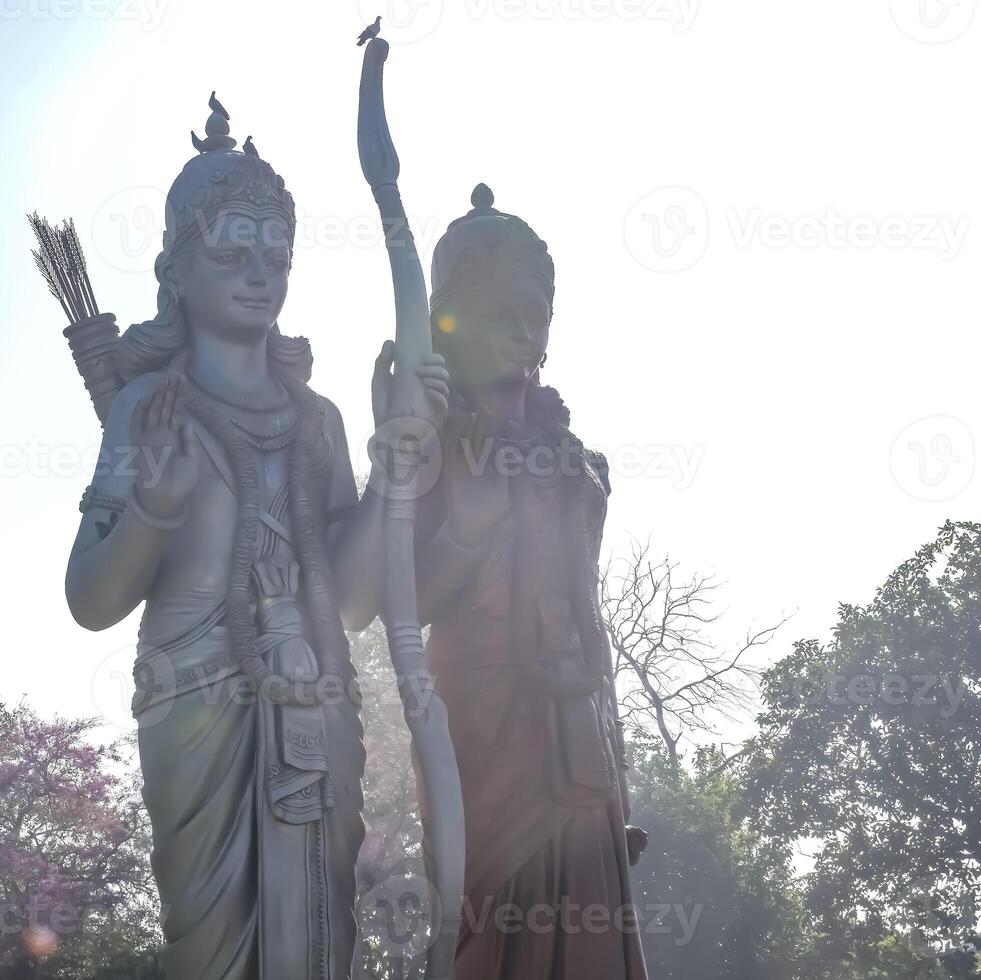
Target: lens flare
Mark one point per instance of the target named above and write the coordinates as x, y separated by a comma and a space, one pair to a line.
41, 941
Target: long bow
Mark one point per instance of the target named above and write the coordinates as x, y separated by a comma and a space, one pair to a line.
441, 799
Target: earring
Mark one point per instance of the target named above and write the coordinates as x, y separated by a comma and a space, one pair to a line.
543, 360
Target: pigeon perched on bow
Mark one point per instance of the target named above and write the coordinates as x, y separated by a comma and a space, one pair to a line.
371, 31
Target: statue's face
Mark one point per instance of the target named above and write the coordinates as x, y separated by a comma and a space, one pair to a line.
496, 333
233, 283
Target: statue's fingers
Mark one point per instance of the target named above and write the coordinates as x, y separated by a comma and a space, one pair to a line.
385, 360
155, 408
138, 421
189, 441
438, 385
179, 414
434, 360
169, 400
433, 371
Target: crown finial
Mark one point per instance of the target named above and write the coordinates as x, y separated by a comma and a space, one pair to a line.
482, 197
216, 130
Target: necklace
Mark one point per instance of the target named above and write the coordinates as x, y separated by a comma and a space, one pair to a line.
268, 443
266, 429
246, 404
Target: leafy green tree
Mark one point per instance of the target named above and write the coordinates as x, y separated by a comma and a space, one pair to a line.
720, 898
865, 951
145, 965
394, 927
869, 751
717, 898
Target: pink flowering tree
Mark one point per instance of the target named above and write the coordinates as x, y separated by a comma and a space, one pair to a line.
75, 884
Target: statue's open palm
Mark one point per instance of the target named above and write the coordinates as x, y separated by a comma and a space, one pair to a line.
167, 457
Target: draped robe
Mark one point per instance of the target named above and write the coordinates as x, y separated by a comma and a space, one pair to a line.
255, 806
541, 790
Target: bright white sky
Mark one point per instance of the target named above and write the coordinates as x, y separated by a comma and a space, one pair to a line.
754, 347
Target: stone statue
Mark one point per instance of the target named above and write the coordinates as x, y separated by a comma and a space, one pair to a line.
225, 499
507, 549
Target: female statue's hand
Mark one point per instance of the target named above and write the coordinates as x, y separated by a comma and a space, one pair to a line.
167, 457
477, 497
435, 380
636, 844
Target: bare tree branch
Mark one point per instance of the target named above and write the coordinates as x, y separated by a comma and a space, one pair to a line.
673, 681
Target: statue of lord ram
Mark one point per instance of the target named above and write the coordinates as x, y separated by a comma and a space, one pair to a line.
225, 500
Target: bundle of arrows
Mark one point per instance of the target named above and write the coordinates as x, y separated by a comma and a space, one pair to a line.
60, 260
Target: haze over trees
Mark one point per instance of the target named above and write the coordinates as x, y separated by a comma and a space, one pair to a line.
840, 840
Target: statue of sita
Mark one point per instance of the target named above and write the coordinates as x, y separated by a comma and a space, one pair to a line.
508, 550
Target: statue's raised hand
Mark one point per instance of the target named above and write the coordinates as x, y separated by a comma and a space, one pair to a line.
167, 458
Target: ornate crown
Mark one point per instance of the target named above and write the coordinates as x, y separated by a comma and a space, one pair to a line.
483, 242
220, 176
